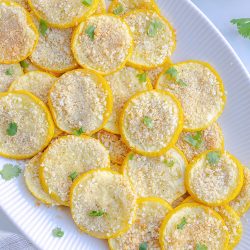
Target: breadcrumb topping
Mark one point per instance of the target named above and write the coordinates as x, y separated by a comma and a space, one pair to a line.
23, 3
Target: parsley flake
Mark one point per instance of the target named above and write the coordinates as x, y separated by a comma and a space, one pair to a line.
87, 2
79, 132
12, 129
43, 27
131, 157
153, 28
182, 224
9, 72
97, 213
118, 10
57, 232
24, 64
169, 163
194, 140
10, 171
143, 246
142, 77
200, 247
243, 25
213, 157
173, 74
148, 122
90, 31
73, 175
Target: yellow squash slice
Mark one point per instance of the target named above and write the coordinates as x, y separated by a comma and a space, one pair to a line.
26, 126
80, 100
200, 90
161, 176
102, 43
214, 178
153, 36
19, 35
102, 203
66, 158
124, 84
193, 226
151, 122
145, 230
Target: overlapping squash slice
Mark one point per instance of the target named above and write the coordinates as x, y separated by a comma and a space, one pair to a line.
214, 178
80, 102
26, 126
102, 203
19, 35
124, 84
102, 43
65, 159
200, 90
145, 230
151, 122
161, 176
154, 39
193, 226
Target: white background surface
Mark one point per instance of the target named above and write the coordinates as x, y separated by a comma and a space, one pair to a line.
220, 13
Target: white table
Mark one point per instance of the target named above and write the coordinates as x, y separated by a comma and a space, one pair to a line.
220, 12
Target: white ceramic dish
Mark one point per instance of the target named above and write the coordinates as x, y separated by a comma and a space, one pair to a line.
197, 39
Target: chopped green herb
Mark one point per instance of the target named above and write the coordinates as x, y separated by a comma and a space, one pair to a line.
243, 25
12, 129
173, 73
79, 132
153, 28
182, 224
97, 213
143, 246
43, 27
90, 31
9, 72
118, 10
57, 232
169, 163
213, 157
200, 247
194, 140
24, 64
131, 157
142, 77
148, 122
87, 2
10, 171
73, 175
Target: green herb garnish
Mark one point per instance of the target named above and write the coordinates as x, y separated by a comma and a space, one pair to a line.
43, 27
173, 74
200, 247
118, 10
10, 171
9, 72
131, 157
243, 25
169, 163
194, 140
24, 64
213, 157
182, 224
73, 175
87, 2
148, 122
142, 77
153, 28
97, 213
90, 31
12, 129
143, 246
79, 132
57, 232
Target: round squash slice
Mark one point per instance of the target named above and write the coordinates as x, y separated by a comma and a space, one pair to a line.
194, 143
193, 226
154, 39
80, 101
242, 202
113, 143
26, 126
19, 36
102, 203
161, 176
53, 52
63, 13
65, 159
151, 122
124, 84
214, 178
145, 230
8, 73
102, 43
37, 82
200, 90
31, 176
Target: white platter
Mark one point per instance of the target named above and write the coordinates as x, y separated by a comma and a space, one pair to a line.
197, 39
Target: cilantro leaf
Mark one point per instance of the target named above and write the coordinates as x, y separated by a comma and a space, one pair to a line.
57, 232
10, 171
24, 64
43, 27
96, 213
243, 25
200, 247
194, 140
87, 2
142, 77
90, 31
213, 157
131, 157
79, 132
169, 163
148, 122
118, 10
73, 175
173, 74
9, 71
12, 129
182, 223
143, 246
153, 28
